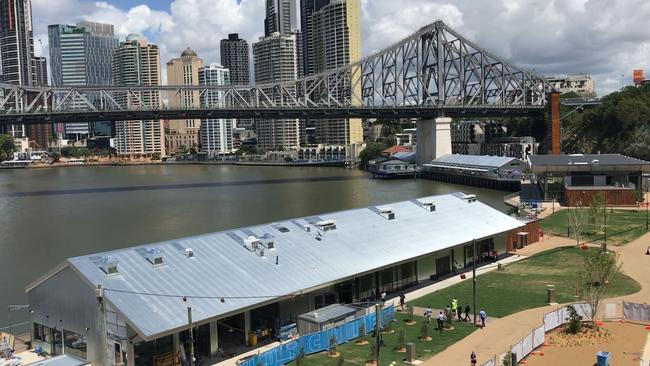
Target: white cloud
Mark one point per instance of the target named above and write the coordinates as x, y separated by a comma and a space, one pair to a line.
607, 38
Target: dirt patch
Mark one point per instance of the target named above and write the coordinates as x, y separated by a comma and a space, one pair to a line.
587, 337
624, 342
361, 343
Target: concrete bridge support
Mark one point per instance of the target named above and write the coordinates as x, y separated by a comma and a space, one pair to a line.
434, 139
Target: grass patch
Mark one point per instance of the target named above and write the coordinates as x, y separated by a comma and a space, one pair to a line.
357, 355
522, 285
623, 226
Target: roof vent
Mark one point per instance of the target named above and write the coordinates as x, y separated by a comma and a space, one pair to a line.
155, 257
189, 253
269, 244
252, 243
429, 206
307, 228
469, 198
110, 266
387, 213
260, 252
326, 225
595, 162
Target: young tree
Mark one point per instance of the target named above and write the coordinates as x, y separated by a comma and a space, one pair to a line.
401, 339
362, 331
599, 268
7, 147
410, 313
577, 221
574, 326
597, 211
341, 360
333, 345
372, 351
300, 357
424, 330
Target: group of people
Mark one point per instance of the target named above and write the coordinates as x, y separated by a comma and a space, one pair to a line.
454, 311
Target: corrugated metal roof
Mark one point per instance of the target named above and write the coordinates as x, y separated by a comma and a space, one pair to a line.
603, 159
63, 360
334, 311
363, 241
474, 160
405, 156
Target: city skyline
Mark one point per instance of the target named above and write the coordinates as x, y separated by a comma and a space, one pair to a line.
518, 30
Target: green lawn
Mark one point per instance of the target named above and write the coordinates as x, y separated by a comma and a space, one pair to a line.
522, 285
623, 226
357, 355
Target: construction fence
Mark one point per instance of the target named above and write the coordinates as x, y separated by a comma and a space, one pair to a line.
630, 311
319, 341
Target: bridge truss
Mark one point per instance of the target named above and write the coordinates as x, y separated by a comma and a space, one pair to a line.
434, 72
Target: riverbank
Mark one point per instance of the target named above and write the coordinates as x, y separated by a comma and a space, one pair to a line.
338, 164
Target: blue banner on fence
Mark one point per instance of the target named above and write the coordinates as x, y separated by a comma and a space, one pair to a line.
319, 341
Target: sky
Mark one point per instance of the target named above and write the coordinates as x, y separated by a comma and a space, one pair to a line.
605, 38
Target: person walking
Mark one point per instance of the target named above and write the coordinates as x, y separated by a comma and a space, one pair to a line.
428, 313
401, 301
441, 321
454, 307
467, 310
483, 316
472, 359
459, 312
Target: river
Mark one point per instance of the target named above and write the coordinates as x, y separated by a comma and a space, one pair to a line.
47, 215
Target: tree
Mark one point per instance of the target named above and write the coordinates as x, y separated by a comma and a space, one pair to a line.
300, 357
372, 151
599, 268
55, 156
362, 331
424, 330
597, 211
410, 313
372, 351
574, 325
247, 150
7, 147
577, 220
340, 361
333, 345
155, 156
401, 338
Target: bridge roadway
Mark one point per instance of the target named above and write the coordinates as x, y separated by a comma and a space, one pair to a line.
268, 113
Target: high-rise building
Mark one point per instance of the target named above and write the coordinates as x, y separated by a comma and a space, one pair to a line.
183, 134
136, 62
216, 134
276, 60
235, 57
336, 42
40, 134
281, 17
307, 8
82, 54
17, 50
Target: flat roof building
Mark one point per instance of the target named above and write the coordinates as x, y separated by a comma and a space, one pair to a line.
500, 172
130, 305
575, 179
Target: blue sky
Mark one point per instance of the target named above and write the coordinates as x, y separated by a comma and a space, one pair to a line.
153, 4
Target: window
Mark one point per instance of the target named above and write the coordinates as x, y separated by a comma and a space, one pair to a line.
42, 333
75, 344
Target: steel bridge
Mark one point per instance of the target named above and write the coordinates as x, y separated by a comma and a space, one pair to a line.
432, 73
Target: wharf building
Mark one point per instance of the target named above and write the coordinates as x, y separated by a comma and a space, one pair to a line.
490, 138
136, 62
17, 51
127, 306
183, 133
276, 60
217, 135
81, 55
235, 56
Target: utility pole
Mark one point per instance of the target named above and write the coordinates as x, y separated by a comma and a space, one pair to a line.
604, 248
474, 278
647, 204
189, 328
378, 309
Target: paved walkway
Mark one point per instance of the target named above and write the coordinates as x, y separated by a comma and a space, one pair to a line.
504, 332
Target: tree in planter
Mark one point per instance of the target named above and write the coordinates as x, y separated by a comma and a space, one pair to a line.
507, 359
574, 325
333, 346
410, 313
401, 339
372, 351
597, 211
341, 360
362, 332
300, 357
599, 269
424, 330
577, 221
449, 317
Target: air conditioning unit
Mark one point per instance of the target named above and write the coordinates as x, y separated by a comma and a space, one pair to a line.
260, 252
429, 206
326, 225
387, 213
189, 253
156, 258
469, 198
251, 243
110, 266
269, 244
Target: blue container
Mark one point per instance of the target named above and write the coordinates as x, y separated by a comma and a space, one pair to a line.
603, 358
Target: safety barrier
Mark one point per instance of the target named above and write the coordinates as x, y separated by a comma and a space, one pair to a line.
559, 317
319, 341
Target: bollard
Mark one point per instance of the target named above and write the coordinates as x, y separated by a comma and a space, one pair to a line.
550, 294
411, 356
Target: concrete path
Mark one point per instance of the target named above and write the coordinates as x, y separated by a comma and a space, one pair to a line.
502, 333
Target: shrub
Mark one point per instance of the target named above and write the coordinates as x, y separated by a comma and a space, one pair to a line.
401, 339
424, 330
362, 331
333, 345
574, 326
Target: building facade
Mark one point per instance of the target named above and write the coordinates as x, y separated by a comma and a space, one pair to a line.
581, 84
276, 60
17, 51
281, 17
490, 138
307, 9
41, 134
136, 62
82, 54
235, 57
183, 134
336, 42
216, 134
